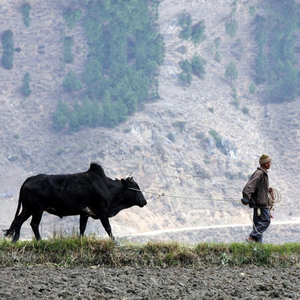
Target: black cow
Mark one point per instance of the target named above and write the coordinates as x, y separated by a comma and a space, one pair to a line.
88, 194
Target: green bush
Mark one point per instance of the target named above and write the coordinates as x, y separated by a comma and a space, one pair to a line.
252, 88
198, 66
68, 55
185, 33
237, 49
252, 11
26, 90
171, 137
71, 17
195, 32
185, 78
231, 27
26, 9
217, 42
71, 83
180, 125
198, 32
217, 57
185, 65
185, 22
245, 110
8, 50
231, 71
216, 136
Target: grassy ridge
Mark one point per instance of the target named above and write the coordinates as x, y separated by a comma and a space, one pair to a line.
89, 251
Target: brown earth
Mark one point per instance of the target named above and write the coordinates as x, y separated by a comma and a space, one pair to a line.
223, 283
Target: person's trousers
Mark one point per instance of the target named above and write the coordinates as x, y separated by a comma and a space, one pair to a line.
260, 223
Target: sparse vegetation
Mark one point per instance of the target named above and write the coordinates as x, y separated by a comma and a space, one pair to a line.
74, 251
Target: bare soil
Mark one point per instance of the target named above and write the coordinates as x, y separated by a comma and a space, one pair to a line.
130, 283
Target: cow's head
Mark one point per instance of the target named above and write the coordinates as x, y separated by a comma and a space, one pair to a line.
133, 192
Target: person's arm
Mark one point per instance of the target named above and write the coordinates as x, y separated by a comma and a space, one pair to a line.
251, 186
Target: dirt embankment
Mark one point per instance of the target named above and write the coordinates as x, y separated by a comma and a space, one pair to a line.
130, 283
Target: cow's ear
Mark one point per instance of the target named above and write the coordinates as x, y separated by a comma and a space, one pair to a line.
124, 182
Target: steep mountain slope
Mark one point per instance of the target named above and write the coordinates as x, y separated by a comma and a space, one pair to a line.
168, 146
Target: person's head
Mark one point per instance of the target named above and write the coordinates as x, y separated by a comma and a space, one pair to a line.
265, 161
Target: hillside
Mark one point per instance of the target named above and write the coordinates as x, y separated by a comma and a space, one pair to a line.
190, 166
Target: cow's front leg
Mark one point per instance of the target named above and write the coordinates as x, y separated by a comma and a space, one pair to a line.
105, 222
82, 223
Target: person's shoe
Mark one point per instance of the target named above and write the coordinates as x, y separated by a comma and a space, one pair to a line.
250, 239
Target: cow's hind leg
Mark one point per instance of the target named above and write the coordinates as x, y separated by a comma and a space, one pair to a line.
105, 222
35, 222
82, 223
17, 224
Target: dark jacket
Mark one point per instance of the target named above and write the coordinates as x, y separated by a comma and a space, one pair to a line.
257, 188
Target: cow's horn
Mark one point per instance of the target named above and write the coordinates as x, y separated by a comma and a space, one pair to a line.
128, 175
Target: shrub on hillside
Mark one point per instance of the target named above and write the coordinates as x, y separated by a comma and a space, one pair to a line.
25, 9
8, 49
26, 90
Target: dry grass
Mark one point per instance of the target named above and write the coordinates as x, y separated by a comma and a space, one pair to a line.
89, 251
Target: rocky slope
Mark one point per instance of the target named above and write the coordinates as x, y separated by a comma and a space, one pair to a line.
192, 172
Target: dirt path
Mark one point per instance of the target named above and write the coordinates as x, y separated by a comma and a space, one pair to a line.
172, 230
130, 283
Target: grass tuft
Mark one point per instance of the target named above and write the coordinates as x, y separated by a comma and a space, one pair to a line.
90, 251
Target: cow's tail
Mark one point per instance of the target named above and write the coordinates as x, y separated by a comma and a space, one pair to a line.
11, 230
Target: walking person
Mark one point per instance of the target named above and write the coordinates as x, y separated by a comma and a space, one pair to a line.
255, 193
